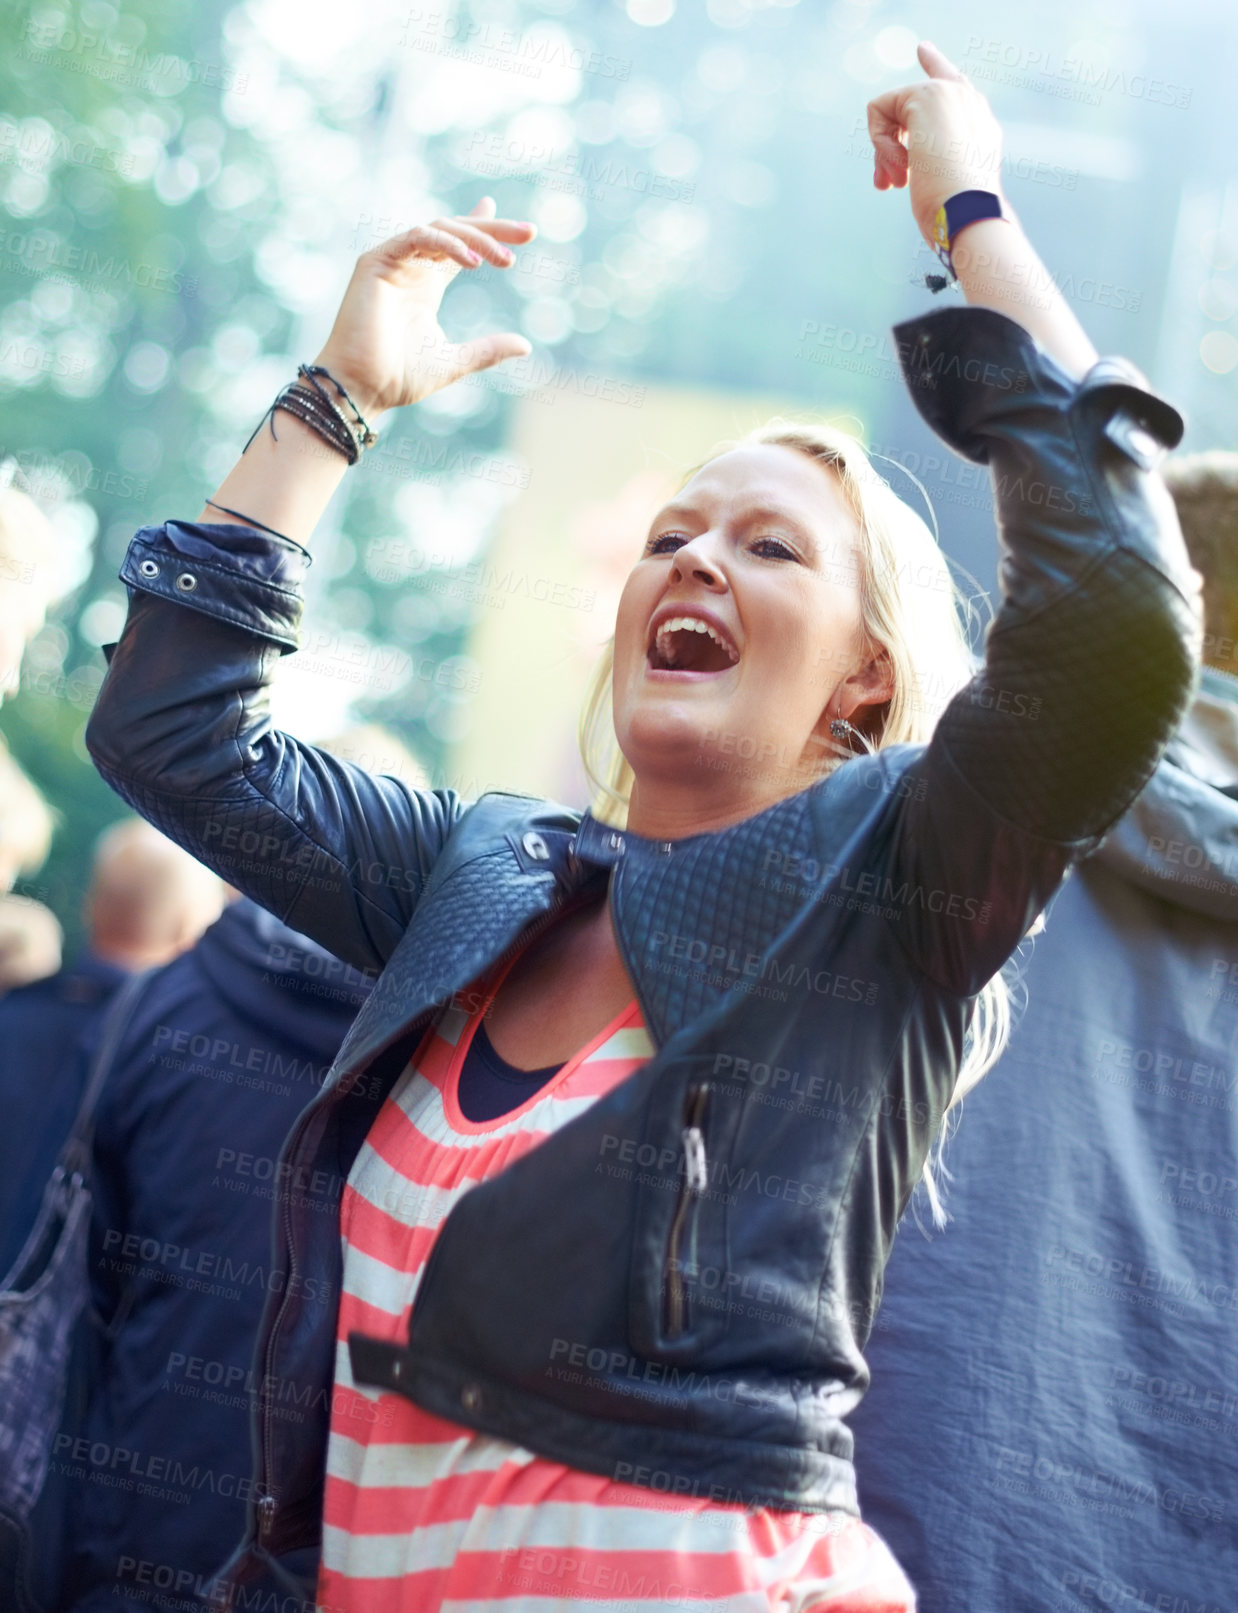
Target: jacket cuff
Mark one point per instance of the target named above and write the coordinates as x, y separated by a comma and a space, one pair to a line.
1147, 424
234, 573
965, 367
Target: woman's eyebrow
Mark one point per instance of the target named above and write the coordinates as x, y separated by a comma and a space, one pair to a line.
775, 512
675, 509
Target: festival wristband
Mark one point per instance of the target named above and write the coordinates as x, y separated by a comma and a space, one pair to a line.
964, 208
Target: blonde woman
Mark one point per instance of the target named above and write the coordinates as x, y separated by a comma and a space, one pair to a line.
585, 1235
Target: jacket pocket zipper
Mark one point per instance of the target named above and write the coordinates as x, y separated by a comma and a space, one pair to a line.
683, 1222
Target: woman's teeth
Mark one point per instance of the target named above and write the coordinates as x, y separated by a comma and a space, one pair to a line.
688, 624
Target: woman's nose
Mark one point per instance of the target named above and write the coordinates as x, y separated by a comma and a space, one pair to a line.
694, 560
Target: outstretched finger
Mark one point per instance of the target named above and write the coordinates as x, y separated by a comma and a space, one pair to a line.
478, 234
935, 62
504, 229
433, 243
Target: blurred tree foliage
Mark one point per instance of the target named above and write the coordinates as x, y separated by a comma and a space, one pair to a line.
184, 188
110, 141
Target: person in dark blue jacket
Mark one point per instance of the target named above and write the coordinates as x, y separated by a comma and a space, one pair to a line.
1086, 1455
148, 900
226, 1047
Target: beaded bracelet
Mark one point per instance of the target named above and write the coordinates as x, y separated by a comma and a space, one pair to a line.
321, 418
318, 410
367, 438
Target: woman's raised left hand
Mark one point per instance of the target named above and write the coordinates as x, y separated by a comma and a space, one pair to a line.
938, 136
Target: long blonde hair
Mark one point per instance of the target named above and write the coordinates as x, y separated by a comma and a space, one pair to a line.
912, 608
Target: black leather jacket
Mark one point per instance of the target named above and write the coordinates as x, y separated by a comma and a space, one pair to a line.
675, 1288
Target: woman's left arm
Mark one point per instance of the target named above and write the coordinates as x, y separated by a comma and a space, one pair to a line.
1092, 656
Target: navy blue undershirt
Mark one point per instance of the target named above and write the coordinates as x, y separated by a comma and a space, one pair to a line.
490, 1086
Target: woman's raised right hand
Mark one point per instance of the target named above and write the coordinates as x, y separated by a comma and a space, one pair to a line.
386, 346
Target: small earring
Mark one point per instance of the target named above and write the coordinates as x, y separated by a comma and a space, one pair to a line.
841, 728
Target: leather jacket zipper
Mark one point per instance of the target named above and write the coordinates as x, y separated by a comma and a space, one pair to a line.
266, 1516
683, 1222
266, 1506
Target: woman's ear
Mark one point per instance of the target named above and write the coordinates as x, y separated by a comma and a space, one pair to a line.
871, 685
856, 697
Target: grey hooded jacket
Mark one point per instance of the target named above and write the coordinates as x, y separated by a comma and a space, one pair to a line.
1063, 1356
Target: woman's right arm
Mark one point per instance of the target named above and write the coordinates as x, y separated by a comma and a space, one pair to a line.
182, 727
387, 349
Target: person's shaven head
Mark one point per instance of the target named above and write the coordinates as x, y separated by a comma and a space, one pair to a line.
148, 900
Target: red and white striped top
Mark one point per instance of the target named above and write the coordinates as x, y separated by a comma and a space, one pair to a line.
424, 1515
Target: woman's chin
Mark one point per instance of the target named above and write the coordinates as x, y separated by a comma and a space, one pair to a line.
667, 728
720, 747
700, 748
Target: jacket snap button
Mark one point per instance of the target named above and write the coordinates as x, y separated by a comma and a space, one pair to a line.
148, 568
470, 1397
186, 582
397, 1368
535, 846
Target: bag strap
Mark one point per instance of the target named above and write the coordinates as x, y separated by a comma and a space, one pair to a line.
75, 1155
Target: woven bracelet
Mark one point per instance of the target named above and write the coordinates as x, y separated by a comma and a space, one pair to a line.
314, 407
306, 408
367, 437
328, 423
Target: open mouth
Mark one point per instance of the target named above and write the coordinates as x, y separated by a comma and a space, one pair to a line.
687, 644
